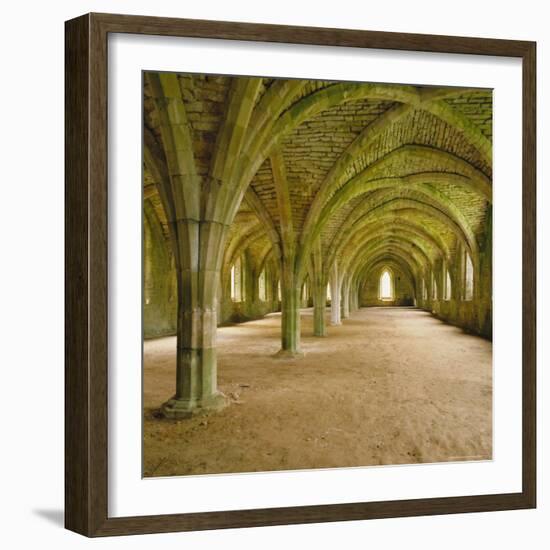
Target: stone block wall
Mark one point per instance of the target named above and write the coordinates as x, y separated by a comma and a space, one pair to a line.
159, 280
403, 292
474, 315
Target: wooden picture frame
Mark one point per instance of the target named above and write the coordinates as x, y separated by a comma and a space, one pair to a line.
86, 283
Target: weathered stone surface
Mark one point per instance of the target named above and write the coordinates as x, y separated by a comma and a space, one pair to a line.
304, 183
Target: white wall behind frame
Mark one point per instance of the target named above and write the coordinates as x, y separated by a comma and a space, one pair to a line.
32, 239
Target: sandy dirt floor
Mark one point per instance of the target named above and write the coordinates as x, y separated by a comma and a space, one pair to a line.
389, 386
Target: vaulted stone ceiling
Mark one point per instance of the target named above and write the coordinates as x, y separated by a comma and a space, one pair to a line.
357, 171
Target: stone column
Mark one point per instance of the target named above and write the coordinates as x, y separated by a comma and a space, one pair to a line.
345, 300
290, 317
198, 284
354, 298
335, 283
251, 292
271, 288
319, 307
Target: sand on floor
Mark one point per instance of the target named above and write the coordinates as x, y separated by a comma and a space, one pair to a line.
388, 386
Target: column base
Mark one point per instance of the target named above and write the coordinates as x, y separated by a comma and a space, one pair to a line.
288, 354
176, 409
335, 324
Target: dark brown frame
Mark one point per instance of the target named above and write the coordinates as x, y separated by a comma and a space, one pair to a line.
86, 274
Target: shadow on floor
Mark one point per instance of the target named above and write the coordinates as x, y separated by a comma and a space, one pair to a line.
57, 517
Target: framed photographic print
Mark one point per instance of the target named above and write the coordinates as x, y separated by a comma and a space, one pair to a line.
300, 275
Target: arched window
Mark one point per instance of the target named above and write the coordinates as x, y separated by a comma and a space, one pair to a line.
386, 291
237, 281
261, 287
424, 290
447, 285
304, 291
468, 278
328, 293
279, 290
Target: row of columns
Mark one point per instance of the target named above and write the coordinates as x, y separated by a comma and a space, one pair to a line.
344, 299
198, 302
